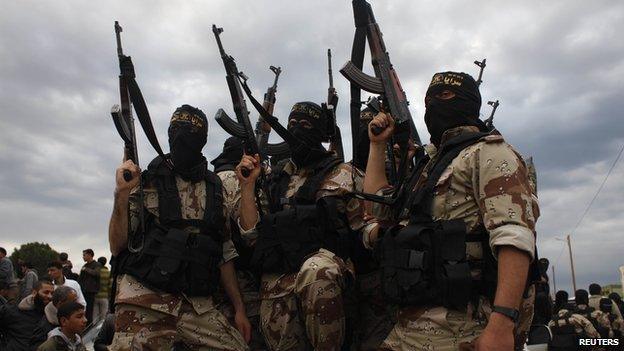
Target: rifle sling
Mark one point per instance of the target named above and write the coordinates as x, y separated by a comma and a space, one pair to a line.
143, 115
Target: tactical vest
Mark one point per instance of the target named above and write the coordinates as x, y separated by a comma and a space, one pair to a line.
564, 335
425, 263
172, 259
288, 235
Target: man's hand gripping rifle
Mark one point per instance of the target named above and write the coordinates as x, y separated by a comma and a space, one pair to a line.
386, 84
241, 128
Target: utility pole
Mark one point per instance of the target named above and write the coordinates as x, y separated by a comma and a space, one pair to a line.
554, 281
571, 262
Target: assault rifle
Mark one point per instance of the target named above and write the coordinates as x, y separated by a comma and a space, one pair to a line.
240, 128
385, 83
262, 128
332, 104
489, 122
122, 115
131, 97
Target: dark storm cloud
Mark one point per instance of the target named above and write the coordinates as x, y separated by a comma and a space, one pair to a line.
556, 68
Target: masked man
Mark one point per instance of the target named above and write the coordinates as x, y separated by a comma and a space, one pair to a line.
169, 269
303, 237
457, 262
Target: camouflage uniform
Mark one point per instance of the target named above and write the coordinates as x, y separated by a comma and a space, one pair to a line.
599, 319
581, 324
247, 282
155, 320
304, 310
486, 185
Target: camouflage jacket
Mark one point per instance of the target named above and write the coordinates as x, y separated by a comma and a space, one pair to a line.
338, 182
193, 200
581, 324
486, 186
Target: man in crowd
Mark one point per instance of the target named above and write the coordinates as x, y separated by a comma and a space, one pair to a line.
6, 267
224, 168
60, 296
472, 215
67, 266
567, 328
183, 209
89, 281
100, 309
595, 292
18, 322
598, 319
29, 279
304, 236
66, 337
55, 272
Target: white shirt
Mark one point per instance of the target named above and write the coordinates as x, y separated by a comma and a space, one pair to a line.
74, 285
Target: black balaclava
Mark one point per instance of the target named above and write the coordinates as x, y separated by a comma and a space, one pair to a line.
230, 157
310, 148
543, 265
581, 297
461, 110
188, 133
363, 142
606, 305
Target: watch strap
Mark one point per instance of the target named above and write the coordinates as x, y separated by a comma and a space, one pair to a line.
510, 313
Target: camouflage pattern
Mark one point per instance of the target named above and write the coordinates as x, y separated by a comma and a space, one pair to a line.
141, 328
152, 319
526, 318
602, 322
304, 310
486, 185
594, 301
581, 324
247, 282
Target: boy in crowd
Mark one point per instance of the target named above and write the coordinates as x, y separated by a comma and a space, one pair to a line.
72, 320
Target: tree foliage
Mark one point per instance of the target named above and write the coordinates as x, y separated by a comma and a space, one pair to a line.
39, 254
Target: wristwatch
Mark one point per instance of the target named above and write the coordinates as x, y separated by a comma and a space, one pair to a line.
510, 313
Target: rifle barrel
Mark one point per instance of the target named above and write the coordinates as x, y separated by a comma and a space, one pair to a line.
329, 69
118, 31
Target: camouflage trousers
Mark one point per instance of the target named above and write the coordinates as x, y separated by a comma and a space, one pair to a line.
310, 316
441, 329
435, 329
139, 328
251, 298
372, 318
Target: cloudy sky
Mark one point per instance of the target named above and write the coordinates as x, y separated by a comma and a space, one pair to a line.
556, 67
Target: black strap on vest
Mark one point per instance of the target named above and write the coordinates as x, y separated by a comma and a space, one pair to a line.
423, 198
306, 194
170, 207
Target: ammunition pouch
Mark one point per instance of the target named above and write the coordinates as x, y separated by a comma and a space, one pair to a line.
426, 264
289, 236
176, 261
178, 255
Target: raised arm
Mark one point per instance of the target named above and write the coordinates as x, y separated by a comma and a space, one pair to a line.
118, 225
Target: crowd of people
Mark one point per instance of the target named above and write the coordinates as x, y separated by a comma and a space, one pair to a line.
588, 315
50, 310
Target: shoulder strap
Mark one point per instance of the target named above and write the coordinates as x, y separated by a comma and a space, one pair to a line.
278, 185
449, 151
213, 214
307, 192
